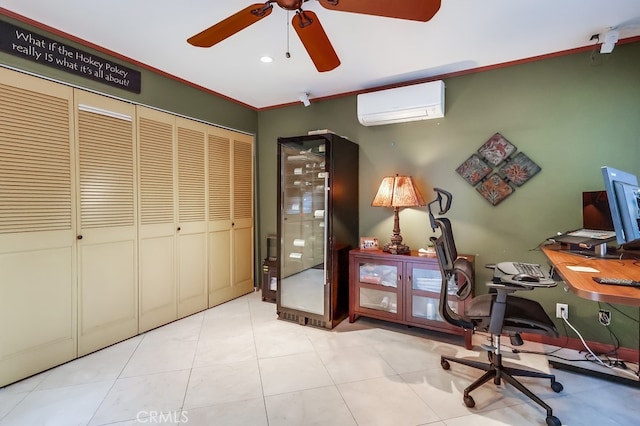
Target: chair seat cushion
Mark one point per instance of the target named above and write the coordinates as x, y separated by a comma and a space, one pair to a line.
521, 315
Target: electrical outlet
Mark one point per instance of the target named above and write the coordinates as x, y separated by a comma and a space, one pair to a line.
560, 307
604, 317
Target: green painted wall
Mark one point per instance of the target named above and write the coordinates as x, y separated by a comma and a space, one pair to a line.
570, 114
157, 90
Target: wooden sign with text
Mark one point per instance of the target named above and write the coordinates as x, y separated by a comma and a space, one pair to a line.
29, 45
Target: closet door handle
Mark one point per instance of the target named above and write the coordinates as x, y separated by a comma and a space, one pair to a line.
178, 228
79, 237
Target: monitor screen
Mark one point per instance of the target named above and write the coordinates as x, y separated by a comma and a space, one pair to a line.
595, 211
624, 203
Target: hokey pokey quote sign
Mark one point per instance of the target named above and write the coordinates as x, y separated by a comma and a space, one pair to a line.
27, 44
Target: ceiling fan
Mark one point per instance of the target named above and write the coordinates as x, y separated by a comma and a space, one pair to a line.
308, 26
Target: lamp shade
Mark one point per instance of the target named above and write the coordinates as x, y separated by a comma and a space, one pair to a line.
398, 191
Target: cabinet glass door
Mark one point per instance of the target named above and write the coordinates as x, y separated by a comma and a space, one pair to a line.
378, 286
303, 224
425, 290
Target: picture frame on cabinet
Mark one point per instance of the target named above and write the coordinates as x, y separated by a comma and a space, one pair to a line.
369, 243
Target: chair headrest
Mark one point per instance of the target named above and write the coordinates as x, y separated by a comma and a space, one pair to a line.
442, 196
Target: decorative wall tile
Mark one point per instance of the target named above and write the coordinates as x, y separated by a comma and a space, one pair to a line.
495, 189
474, 169
496, 149
519, 170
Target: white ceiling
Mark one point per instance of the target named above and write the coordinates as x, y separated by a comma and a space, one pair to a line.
374, 51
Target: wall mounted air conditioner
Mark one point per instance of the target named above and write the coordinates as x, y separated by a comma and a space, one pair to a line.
409, 103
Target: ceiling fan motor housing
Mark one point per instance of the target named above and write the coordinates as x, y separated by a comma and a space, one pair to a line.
290, 4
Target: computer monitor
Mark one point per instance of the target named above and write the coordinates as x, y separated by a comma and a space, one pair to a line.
624, 204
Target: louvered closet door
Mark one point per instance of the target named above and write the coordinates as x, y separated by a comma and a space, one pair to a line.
37, 238
230, 226
107, 238
243, 213
192, 237
157, 230
219, 227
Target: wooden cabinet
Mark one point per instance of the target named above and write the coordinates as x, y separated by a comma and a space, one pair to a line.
317, 225
403, 289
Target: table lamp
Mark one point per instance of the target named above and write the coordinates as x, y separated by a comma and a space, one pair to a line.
397, 191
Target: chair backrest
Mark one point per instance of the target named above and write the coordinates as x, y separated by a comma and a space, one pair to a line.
446, 253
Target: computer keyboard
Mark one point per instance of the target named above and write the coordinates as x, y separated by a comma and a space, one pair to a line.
532, 269
513, 268
617, 281
529, 274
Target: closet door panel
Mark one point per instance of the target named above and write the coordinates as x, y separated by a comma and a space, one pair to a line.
219, 226
220, 266
230, 227
157, 282
107, 234
157, 229
243, 260
192, 214
37, 226
243, 213
107, 290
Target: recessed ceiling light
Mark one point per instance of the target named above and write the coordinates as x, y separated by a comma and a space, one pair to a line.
266, 59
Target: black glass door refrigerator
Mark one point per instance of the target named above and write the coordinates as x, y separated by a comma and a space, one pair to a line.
317, 226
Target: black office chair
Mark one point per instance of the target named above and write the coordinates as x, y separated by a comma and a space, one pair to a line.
498, 313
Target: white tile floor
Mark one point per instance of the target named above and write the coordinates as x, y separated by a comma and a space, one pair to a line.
236, 364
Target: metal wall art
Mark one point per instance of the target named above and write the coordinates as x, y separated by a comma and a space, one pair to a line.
513, 171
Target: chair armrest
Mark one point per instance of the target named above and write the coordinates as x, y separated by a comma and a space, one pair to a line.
508, 287
500, 303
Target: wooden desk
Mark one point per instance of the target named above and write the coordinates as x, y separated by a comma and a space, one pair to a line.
582, 283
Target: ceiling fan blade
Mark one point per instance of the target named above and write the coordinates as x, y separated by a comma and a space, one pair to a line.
231, 25
315, 40
415, 10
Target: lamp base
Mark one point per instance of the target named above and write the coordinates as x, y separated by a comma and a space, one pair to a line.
396, 248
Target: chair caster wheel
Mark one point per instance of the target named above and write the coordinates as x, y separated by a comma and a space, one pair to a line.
470, 403
557, 387
445, 364
553, 421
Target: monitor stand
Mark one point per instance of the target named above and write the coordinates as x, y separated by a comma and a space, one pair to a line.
600, 251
